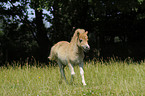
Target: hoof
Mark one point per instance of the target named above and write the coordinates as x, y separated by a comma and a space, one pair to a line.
73, 73
84, 84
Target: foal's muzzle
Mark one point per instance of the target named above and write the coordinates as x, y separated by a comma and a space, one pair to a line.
86, 47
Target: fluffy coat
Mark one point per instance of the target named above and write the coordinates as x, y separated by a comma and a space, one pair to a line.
72, 53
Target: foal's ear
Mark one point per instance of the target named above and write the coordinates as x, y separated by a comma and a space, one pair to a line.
86, 32
78, 33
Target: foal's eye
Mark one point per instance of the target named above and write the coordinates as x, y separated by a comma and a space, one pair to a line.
81, 40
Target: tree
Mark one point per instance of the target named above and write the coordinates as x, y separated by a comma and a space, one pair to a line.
34, 28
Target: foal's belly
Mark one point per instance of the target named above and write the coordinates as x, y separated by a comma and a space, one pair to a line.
76, 62
65, 60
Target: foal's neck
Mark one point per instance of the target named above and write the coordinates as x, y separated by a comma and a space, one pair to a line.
74, 46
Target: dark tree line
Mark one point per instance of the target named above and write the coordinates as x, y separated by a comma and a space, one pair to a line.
116, 27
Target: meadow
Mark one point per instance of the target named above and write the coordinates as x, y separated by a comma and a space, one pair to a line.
113, 78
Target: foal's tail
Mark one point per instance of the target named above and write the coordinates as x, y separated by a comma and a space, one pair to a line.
52, 55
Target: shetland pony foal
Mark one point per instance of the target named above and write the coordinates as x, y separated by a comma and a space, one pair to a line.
72, 53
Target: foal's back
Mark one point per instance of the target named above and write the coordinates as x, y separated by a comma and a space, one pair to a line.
59, 51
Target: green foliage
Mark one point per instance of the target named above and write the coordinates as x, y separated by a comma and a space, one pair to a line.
140, 1
102, 78
1, 33
41, 4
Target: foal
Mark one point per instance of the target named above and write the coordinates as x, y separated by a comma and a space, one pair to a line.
72, 53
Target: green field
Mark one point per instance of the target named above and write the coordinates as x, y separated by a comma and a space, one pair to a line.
103, 78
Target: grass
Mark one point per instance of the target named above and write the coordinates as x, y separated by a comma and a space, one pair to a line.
103, 78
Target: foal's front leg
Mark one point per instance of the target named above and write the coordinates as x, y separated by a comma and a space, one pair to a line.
82, 73
72, 72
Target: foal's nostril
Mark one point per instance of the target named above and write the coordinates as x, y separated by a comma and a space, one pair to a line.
87, 47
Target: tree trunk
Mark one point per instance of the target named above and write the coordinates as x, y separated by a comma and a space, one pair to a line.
43, 41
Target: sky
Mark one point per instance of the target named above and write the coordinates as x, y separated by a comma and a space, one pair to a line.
31, 13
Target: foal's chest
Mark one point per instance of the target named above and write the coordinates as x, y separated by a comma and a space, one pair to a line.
76, 59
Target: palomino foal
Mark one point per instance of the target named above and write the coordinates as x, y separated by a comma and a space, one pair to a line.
72, 53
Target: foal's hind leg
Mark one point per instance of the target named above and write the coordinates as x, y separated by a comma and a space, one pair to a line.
62, 71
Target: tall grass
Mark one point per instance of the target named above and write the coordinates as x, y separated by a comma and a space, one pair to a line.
102, 78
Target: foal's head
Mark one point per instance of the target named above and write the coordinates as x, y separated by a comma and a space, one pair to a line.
82, 39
